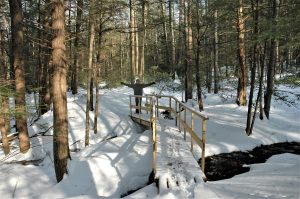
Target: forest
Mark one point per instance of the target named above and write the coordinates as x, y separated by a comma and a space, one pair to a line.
54, 52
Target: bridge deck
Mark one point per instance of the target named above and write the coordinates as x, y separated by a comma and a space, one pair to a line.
176, 167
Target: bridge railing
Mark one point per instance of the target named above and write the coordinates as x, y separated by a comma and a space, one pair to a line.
153, 103
181, 110
149, 106
136, 104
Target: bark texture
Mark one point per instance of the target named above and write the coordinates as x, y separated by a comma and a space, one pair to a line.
90, 64
18, 65
272, 61
242, 87
59, 89
74, 82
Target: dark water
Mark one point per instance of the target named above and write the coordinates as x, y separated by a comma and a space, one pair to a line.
227, 165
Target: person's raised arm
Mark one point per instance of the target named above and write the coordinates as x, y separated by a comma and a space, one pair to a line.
129, 85
150, 84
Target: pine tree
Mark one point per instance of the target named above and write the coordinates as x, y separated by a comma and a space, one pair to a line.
18, 66
59, 89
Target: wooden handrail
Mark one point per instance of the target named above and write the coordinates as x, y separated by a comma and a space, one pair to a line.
203, 116
153, 105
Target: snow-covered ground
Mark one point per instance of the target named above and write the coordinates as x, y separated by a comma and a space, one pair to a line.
111, 167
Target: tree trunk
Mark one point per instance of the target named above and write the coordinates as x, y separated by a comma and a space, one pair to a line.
122, 72
132, 43
165, 34
59, 89
74, 75
143, 39
241, 98
40, 66
216, 55
255, 61
156, 56
44, 99
189, 59
4, 123
208, 53
197, 61
4, 103
18, 65
172, 37
97, 80
181, 41
90, 64
261, 79
272, 62
136, 36
92, 90
70, 33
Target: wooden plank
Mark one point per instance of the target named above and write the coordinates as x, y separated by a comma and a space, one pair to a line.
141, 121
145, 123
142, 107
176, 166
199, 114
164, 107
194, 135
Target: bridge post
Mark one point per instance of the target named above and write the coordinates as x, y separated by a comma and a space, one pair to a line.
147, 102
153, 121
130, 106
184, 125
179, 117
203, 143
193, 127
157, 105
170, 106
176, 110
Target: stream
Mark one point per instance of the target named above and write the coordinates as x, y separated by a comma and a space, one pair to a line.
227, 165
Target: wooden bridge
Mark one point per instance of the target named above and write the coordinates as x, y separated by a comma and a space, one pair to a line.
174, 164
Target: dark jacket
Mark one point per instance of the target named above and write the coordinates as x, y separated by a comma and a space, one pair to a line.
138, 87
